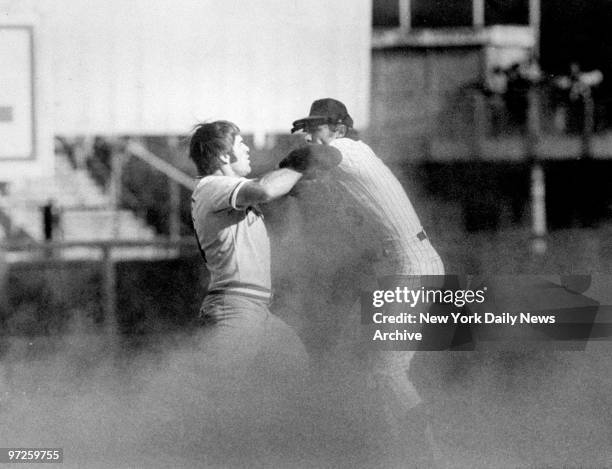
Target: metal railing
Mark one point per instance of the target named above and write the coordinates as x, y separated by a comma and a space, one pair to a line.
175, 180
113, 164
536, 125
101, 252
140, 151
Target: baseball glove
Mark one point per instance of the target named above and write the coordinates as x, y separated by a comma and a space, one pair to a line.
312, 158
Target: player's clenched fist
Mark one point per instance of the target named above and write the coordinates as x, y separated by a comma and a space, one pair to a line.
313, 157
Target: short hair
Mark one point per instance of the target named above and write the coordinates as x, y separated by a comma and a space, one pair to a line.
208, 142
349, 133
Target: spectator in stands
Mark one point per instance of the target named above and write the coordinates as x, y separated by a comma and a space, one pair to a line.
521, 77
516, 97
496, 85
575, 108
51, 219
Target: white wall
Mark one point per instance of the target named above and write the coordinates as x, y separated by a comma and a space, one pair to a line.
26, 142
160, 66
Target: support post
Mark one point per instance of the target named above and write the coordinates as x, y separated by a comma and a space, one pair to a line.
117, 161
534, 22
480, 124
478, 14
174, 219
589, 122
405, 16
538, 208
174, 191
109, 288
533, 122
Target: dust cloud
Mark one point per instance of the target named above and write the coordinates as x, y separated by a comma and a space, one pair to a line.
112, 401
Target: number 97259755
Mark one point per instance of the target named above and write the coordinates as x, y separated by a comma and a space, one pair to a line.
31, 455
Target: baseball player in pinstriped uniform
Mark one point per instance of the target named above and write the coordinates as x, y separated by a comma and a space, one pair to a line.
400, 243
232, 237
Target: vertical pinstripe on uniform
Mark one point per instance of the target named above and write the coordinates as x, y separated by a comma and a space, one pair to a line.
383, 201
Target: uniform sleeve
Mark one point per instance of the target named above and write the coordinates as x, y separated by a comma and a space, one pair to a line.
352, 156
219, 192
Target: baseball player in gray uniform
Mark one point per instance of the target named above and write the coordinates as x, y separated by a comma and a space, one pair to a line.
234, 243
400, 243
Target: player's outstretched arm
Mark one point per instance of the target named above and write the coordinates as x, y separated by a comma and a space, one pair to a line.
270, 186
302, 162
311, 158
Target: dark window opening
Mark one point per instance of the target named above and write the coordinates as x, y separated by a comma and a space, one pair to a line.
506, 12
385, 13
441, 13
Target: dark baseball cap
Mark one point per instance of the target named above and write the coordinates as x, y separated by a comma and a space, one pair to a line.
324, 111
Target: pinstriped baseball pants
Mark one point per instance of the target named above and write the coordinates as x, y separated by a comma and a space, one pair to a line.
389, 369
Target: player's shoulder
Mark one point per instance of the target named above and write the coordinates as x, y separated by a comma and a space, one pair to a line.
216, 185
216, 180
347, 143
350, 145
353, 151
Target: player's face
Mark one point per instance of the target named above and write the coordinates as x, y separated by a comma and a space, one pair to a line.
321, 134
242, 163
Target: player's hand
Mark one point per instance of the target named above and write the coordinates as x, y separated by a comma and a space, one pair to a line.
312, 159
